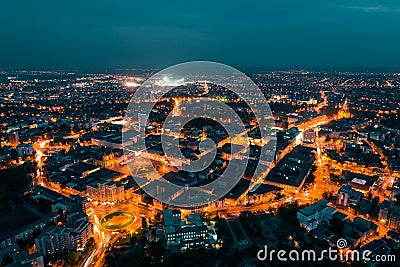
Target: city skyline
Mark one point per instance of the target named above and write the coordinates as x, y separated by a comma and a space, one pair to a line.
188, 133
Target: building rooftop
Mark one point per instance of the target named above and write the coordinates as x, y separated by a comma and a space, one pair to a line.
316, 207
293, 168
77, 170
340, 216
359, 181
263, 189
353, 194
50, 194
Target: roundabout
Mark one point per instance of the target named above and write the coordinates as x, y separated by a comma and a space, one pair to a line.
117, 220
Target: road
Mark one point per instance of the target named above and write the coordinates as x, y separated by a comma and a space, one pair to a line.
39, 148
321, 184
104, 237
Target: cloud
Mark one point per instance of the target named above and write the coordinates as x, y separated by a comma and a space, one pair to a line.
371, 9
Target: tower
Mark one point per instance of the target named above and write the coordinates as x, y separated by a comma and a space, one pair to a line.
344, 111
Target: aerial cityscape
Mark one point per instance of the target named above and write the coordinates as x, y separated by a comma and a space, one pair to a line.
69, 198
199, 133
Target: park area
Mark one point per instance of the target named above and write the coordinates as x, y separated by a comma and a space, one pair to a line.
117, 220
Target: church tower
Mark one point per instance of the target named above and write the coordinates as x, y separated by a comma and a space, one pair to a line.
344, 111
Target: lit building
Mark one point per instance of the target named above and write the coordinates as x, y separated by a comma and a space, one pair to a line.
24, 232
347, 196
25, 150
360, 182
311, 216
291, 172
104, 157
384, 211
309, 136
286, 140
262, 193
184, 234
390, 213
75, 235
81, 170
13, 139
57, 200
344, 112
56, 239
105, 190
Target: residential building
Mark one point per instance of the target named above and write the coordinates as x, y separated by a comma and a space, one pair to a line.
347, 196
311, 216
74, 236
390, 213
184, 234
105, 190
291, 172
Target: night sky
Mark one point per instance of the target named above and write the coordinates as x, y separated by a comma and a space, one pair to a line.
100, 34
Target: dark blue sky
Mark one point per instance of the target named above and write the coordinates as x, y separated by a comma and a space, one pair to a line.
100, 34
